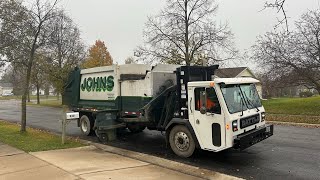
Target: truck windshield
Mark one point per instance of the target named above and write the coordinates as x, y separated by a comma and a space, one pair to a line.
240, 97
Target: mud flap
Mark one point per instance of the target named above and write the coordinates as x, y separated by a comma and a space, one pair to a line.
106, 125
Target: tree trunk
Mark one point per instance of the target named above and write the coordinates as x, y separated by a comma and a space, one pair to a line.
23, 112
29, 96
46, 91
24, 100
38, 94
25, 89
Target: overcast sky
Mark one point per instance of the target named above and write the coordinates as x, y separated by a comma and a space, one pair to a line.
120, 23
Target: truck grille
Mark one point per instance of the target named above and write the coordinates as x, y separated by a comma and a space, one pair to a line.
248, 121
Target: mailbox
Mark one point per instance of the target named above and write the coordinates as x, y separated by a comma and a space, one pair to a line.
72, 115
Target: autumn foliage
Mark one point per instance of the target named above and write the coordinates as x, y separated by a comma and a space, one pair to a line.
98, 56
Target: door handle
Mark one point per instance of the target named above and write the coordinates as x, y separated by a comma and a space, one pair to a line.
190, 105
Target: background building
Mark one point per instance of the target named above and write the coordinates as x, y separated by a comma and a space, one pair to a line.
6, 88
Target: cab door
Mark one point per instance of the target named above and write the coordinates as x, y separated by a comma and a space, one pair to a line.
207, 118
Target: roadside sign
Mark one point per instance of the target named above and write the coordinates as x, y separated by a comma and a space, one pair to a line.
72, 115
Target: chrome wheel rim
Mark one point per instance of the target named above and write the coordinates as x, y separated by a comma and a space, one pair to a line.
84, 126
182, 141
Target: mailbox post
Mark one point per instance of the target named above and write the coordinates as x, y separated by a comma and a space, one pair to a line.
66, 117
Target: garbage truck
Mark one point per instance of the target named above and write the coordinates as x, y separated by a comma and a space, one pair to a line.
195, 108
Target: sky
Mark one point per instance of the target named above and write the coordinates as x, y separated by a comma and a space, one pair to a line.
120, 23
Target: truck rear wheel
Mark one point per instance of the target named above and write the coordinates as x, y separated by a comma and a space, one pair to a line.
181, 141
86, 125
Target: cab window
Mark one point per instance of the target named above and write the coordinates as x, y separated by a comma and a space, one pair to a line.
207, 97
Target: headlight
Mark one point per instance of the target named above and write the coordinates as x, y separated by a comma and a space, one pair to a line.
235, 125
263, 117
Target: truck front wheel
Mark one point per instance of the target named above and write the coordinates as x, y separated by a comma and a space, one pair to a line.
86, 125
181, 141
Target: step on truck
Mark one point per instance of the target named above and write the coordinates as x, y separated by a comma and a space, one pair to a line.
190, 104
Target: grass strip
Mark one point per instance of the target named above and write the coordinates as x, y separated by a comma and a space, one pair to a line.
294, 118
47, 103
33, 140
294, 106
32, 97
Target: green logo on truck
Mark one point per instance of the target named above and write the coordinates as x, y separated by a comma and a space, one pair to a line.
98, 84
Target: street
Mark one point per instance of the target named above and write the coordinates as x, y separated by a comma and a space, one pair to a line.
292, 153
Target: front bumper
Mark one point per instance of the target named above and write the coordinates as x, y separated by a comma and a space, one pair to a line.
250, 138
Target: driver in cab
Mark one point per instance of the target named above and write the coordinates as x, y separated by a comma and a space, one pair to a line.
211, 102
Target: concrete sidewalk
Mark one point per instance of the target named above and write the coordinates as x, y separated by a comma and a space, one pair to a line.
79, 163
16, 164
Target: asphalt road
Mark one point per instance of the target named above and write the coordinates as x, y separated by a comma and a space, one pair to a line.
292, 153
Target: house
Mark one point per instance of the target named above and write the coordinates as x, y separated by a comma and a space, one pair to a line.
238, 72
42, 91
6, 88
34, 92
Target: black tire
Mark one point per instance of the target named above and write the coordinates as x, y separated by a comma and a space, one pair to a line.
135, 128
86, 126
102, 137
181, 141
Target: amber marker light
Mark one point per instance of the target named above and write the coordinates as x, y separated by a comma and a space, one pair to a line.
228, 126
211, 84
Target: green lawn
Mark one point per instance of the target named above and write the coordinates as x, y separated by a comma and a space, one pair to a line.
9, 97
47, 102
33, 140
50, 101
31, 97
298, 110
293, 106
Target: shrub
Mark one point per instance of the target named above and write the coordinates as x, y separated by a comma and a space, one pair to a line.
305, 94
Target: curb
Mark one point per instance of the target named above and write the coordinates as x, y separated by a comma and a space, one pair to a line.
164, 163
294, 124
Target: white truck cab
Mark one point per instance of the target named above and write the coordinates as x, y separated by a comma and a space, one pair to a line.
226, 113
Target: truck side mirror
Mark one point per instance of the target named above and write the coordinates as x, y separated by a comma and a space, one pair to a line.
203, 100
203, 110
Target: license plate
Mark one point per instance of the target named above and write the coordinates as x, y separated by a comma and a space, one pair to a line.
268, 129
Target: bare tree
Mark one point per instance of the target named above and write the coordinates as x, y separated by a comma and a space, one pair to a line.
295, 55
38, 74
23, 32
279, 6
64, 51
185, 32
